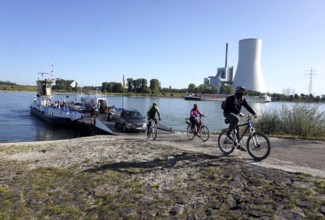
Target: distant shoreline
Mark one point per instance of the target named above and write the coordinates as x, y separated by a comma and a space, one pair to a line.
176, 95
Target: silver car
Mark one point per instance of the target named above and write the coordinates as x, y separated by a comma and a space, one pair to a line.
77, 106
129, 120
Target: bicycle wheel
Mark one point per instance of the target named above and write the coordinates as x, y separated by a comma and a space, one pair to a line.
149, 132
225, 144
190, 133
154, 133
258, 146
204, 133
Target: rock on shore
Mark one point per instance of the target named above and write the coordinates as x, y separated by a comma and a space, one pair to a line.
115, 177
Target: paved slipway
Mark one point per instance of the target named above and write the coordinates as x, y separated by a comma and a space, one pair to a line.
292, 155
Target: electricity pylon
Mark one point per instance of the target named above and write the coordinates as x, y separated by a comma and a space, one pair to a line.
311, 74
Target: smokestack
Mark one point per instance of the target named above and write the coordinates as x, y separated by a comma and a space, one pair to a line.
226, 62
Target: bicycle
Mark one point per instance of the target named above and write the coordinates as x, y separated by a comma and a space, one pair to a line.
257, 144
203, 131
152, 129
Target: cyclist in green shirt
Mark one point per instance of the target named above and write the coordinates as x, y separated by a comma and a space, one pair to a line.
151, 114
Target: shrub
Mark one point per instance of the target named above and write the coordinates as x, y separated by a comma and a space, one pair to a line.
302, 120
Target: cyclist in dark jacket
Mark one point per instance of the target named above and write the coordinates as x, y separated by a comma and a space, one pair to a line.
151, 114
233, 107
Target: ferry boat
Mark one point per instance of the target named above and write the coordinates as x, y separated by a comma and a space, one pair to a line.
205, 97
99, 101
266, 98
57, 113
220, 97
192, 97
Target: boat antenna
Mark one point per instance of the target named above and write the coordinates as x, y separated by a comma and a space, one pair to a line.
42, 75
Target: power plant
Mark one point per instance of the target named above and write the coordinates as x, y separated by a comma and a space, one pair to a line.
249, 69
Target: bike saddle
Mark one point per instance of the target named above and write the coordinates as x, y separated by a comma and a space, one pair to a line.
227, 121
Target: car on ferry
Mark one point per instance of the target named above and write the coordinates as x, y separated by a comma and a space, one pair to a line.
77, 106
129, 119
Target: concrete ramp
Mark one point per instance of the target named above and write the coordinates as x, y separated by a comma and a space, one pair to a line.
103, 127
163, 127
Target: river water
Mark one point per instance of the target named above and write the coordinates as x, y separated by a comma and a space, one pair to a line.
17, 124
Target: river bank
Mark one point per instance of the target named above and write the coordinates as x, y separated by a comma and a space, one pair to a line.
120, 177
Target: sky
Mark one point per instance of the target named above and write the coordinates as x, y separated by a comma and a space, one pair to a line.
177, 42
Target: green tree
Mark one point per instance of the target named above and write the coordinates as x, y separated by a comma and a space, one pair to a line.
68, 85
117, 87
227, 89
191, 88
136, 84
59, 84
104, 87
203, 88
140, 85
110, 86
154, 86
129, 84
214, 89
65, 85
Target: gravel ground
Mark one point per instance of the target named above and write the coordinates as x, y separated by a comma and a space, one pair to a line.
292, 155
131, 177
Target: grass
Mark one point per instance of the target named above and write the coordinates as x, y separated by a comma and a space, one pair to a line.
11, 149
51, 193
302, 121
19, 88
320, 185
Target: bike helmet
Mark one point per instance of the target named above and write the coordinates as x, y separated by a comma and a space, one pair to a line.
154, 103
240, 89
195, 105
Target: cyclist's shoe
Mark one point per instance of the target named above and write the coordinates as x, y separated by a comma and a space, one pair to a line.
228, 141
239, 147
148, 135
229, 136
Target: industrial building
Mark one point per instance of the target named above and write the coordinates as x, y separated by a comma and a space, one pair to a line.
249, 69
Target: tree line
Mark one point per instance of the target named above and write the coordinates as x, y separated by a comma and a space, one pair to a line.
7, 83
65, 85
141, 86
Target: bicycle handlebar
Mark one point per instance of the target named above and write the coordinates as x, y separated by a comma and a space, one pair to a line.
250, 116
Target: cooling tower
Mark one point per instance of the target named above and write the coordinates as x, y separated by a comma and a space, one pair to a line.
249, 69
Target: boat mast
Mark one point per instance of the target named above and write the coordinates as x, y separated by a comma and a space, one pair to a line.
51, 73
44, 85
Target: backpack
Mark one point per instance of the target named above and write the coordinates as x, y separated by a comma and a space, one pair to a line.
152, 111
224, 103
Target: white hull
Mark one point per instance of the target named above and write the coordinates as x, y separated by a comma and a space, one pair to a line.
54, 113
55, 116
